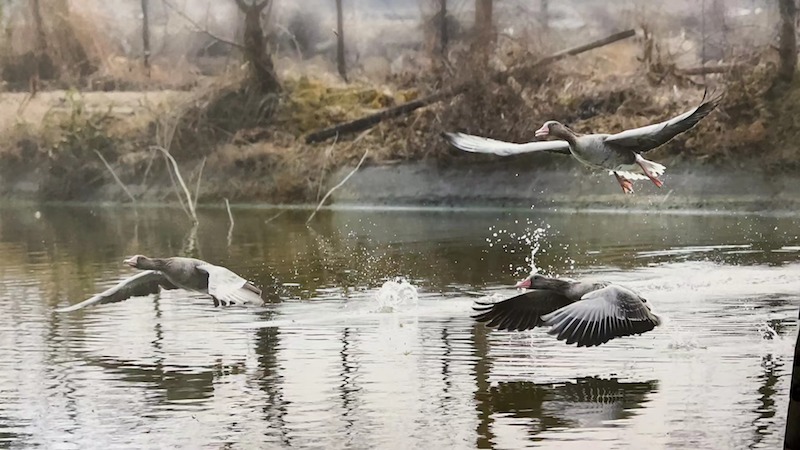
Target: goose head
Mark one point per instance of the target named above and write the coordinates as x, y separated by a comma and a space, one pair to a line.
533, 281
139, 262
555, 129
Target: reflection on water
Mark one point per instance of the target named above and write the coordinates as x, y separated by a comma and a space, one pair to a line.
367, 340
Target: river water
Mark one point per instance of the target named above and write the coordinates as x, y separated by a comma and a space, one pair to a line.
367, 340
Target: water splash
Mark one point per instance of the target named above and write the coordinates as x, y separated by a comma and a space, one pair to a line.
395, 294
767, 332
530, 239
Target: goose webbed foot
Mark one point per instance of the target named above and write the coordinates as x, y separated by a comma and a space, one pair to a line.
652, 177
626, 184
216, 302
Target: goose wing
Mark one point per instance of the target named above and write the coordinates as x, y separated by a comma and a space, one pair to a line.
519, 313
143, 283
600, 316
477, 144
230, 289
649, 137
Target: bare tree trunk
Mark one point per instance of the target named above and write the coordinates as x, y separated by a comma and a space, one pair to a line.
544, 12
340, 61
484, 33
146, 35
787, 49
443, 37
38, 23
262, 71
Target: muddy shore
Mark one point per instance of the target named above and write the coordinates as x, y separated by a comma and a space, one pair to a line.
489, 185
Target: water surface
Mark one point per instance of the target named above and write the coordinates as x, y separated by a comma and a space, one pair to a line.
327, 363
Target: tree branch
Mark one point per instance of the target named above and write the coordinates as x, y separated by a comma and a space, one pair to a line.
202, 29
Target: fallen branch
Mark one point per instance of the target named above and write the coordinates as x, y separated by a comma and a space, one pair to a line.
191, 211
340, 184
116, 178
705, 70
558, 56
374, 119
202, 29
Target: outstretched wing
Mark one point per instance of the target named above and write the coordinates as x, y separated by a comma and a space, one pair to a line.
600, 316
477, 144
519, 313
229, 288
649, 137
143, 283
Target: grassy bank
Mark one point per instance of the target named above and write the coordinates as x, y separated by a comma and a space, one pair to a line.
249, 148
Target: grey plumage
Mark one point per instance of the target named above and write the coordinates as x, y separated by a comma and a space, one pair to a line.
585, 313
224, 286
618, 153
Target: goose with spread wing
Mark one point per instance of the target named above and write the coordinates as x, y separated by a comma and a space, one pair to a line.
586, 313
619, 153
225, 287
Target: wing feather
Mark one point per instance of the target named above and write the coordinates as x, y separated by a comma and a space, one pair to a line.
229, 288
521, 312
143, 283
613, 310
477, 144
649, 137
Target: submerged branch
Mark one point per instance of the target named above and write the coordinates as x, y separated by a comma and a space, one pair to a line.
192, 212
116, 178
197, 186
340, 184
230, 217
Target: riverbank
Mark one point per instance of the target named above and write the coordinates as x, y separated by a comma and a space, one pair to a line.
104, 147
498, 184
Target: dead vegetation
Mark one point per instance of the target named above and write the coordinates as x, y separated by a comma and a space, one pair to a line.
251, 142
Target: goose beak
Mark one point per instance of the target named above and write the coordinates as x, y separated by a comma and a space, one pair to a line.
524, 284
542, 132
130, 261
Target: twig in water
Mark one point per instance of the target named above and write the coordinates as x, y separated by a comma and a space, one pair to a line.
275, 216
230, 228
325, 165
328, 154
197, 186
116, 178
190, 203
366, 152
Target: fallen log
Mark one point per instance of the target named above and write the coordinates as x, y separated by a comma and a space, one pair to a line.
706, 70
371, 120
792, 437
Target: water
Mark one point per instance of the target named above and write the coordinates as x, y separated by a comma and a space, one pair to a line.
367, 341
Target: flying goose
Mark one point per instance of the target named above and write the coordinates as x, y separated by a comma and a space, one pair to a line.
619, 153
586, 313
225, 287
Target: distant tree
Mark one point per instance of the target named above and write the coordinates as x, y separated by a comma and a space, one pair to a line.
544, 13
443, 35
484, 31
340, 61
787, 49
262, 70
146, 35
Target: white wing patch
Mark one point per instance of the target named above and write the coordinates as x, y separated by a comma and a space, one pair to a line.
228, 287
477, 144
